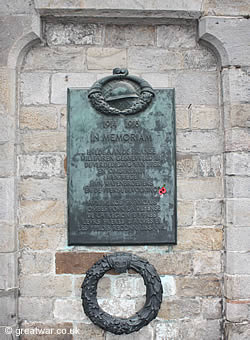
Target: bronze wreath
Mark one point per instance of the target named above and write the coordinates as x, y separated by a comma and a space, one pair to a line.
100, 104
121, 262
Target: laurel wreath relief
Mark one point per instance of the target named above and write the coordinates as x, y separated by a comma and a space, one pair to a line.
121, 262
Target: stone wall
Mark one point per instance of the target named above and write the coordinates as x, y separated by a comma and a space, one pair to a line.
206, 275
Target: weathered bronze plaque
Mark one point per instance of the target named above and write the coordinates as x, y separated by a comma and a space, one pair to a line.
121, 163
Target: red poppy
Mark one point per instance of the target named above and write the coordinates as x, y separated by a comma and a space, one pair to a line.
163, 190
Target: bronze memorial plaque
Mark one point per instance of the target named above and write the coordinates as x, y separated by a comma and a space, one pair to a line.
121, 163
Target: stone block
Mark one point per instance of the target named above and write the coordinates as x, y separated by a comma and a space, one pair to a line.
129, 35
35, 309
237, 311
237, 263
17, 7
8, 271
210, 166
62, 81
8, 311
237, 212
193, 87
153, 59
4, 90
160, 80
43, 189
239, 115
45, 286
237, 286
168, 285
36, 263
72, 33
118, 307
8, 235
63, 116
187, 165
207, 262
209, 212
212, 308
69, 309
199, 141
35, 88
103, 287
42, 212
237, 163
88, 331
105, 58
236, 84
200, 59
7, 199
46, 141
167, 330
60, 58
42, 238
226, 7
237, 239
38, 117
185, 213
41, 165
182, 117
46, 331
177, 36
6, 128
199, 239
179, 308
199, 188
198, 286
128, 286
237, 140
200, 329
145, 333
237, 331
237, 187
204, 117
7, 152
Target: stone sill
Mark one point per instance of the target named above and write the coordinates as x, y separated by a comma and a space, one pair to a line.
146, 9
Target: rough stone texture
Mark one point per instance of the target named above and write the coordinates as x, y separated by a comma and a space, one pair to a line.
185, 212
178, 309
238, 212
103, 287
198, 286
237, 239
238, 186
167, 330
7, 237
88, 331
182, 117
238, 263
8, 308
237, 163
45, 286
168, 285
199, 239
7, 274
128, 287
187, 165
35, 309
237, 312
199, 188
42, 212
129, 35
51, 331
207, 262
38, 117
237, 140
43, 189
43, 142
6, 196
105, 58
212, 308
119, 307
6, 159
226, 7
42, 238
210, 166
197, 141
62, 81
35, 88
237, 331
200, 59
197, 330
203, 117
176, 36
146, 333
41, 165
35, 263
69, 309
72, 34
239, 116
208, 212
237, 287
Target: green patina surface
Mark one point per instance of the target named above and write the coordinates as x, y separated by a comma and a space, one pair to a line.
116, 164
